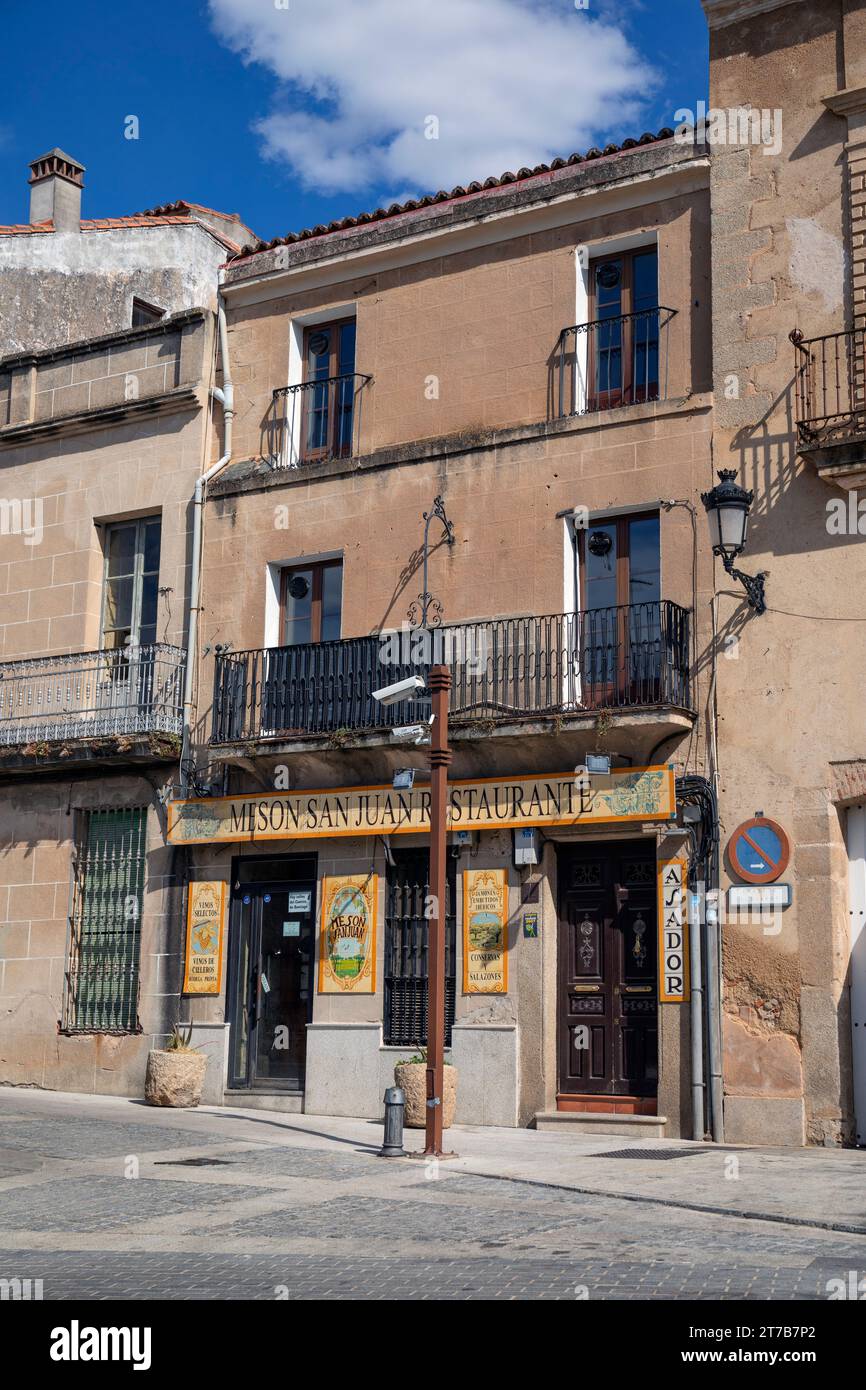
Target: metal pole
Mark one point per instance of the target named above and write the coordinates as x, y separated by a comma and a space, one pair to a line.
697, 1011
714, 1029
439, 684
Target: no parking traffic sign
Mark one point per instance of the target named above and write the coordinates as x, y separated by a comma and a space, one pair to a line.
759, 850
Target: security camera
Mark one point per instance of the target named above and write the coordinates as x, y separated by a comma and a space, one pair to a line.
411, 733
403, 690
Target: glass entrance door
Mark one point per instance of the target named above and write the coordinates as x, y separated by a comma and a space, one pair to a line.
272, 982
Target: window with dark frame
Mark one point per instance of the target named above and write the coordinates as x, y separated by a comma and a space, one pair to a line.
102, 974
624, 344
329, 394
144, 313
406, 928
311, 601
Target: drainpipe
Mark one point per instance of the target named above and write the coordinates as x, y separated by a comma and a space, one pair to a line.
705, 960
714, 1013
226, 397
697, 1016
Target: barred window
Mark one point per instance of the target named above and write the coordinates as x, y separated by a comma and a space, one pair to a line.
104, 946
406, 949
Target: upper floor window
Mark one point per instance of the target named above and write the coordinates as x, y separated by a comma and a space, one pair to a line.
624, 345
312, 597
329, 389
621, 624
131, 584
620, 562
144, 313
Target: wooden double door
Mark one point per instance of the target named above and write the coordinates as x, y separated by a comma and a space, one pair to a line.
608, 970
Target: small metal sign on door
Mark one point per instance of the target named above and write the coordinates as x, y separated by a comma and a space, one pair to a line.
673, 932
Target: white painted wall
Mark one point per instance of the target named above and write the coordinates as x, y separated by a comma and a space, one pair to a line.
63, 287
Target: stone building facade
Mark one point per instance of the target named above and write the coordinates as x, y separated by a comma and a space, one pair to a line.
788, 248
478, 427
106, 365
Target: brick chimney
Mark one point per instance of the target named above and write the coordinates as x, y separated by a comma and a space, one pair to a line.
56, 181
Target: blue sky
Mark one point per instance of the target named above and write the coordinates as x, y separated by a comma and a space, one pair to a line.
293, 112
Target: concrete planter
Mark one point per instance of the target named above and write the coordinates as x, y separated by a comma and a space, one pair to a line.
411, 1077
174, 1078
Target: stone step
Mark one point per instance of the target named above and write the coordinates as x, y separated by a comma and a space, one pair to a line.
289, 1102
585, 1122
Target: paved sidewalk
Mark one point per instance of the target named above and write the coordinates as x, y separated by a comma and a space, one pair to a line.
805, 1187
106, 1197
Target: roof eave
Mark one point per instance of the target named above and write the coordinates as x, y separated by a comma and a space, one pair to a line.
672, 158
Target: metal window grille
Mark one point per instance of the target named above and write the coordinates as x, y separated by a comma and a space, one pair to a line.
104, 947
406, 951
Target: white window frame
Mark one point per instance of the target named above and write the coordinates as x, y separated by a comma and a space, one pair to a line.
584, 255
273, 586
298, 325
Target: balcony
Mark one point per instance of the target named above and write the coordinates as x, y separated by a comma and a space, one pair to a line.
316, 421
830, 403
612, 362
123, 705
154, 369
517, 675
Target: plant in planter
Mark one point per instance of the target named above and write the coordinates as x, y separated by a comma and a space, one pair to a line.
175, 1073
411, 1077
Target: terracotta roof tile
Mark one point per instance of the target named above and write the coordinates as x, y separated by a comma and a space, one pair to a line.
182, 203
461, 191
27, 228
109, 224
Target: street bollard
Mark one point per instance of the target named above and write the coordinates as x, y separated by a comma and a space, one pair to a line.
392, 1140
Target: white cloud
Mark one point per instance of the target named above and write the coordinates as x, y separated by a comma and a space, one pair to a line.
512, 83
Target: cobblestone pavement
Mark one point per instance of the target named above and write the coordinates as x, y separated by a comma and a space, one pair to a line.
104, 1198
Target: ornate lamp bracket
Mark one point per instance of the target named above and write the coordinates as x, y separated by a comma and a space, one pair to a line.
752, 583
425, 605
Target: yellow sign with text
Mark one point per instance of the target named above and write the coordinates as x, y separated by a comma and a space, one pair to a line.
673, 931
491, 803
485, 931
205, 920
347, 944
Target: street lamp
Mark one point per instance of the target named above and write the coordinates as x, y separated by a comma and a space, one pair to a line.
728, 506
439, 685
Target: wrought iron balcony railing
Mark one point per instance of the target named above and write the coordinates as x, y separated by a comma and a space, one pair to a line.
612, 362
136, 690
504, 669
830, 383
316, 420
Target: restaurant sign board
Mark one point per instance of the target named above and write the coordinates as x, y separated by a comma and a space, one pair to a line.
491, 803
